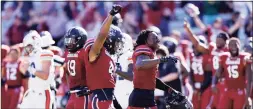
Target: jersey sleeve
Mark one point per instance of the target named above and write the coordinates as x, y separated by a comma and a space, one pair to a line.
143, 50
88, 44
58, 61
46, 55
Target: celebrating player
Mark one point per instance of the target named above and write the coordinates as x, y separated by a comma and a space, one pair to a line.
237, 78
201, 77
41, 68
145, 68
99, 65
214, 51
76, 74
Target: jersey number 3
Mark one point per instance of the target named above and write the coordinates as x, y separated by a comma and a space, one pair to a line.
233, 71
71, 67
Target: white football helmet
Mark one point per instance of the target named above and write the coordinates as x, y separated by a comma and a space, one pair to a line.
47, 39
32, 42
128, 43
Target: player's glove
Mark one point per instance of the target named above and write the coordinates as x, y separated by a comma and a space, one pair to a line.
83, 92
115, 9
191, 9
169, 58
176, 100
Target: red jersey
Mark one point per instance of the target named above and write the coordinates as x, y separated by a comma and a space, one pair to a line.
100, 74
234, 70
144, 78
197, 66
215, 56
12, 73
75, 68
4, 51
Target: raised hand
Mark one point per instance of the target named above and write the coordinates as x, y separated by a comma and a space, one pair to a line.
191, 10
115, 9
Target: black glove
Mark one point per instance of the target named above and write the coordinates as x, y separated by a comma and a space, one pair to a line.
175, 100
115, 9
166, 59
83, 92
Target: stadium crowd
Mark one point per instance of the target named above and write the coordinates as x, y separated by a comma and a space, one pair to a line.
198, 33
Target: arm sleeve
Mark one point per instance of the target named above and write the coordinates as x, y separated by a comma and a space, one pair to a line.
207, 80
46, 55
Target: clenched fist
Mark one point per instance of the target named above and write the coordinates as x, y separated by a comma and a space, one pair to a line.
115, 10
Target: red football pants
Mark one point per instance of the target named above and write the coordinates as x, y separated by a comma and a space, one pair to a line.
201, 101
75, 102
96, 104
235, 95
12, 97
129, 107
216, 96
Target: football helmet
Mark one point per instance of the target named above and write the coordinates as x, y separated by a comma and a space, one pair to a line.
32, 42
128, 43
170, 43
177, 101
47, 39
114, 42
75, 39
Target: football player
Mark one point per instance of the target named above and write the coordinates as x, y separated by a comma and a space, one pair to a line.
200, 77
74, 41
237, 78
99, 65
58, 61
145, 65
41, 69
214, 50
15, 76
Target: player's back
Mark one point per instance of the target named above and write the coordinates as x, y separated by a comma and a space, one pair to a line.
100, 73
36, 62
234, 69
144, 78
76, 68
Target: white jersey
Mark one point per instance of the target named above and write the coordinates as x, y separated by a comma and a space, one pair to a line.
36, 62
124, 87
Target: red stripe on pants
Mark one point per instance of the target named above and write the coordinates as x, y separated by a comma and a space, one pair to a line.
47, 99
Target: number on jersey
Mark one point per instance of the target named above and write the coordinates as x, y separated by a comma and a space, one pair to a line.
71, 67
11, 74
233, 71
215, 62
197, 68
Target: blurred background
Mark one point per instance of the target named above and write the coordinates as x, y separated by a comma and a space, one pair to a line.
166, 18
57, 17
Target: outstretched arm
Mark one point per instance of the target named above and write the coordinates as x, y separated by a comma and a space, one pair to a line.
200, 47
99, 42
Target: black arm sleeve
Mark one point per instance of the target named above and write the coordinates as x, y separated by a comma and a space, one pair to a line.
207, 80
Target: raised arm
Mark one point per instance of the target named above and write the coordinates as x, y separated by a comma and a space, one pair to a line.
99, 42
200, 47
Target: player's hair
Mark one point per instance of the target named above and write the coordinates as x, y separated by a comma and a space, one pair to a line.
223, 35
142, 38
235, 39
16, 50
